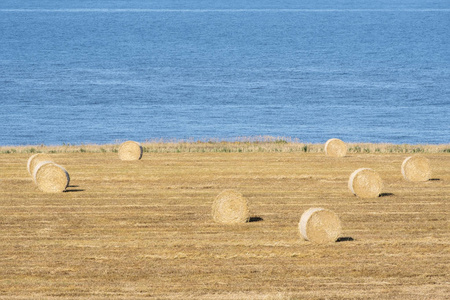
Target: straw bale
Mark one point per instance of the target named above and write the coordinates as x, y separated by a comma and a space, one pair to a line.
416, 168
130, 150
365, 183
35, 159
230, 207
319, 225
335, 148
50, 177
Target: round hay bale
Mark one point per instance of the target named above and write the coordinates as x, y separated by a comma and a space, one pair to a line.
35, 159
50, 177
230, 207
319, 225
130, 150
365, 183
416, 168
335, 148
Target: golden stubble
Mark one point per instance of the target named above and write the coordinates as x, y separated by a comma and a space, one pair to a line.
143, 229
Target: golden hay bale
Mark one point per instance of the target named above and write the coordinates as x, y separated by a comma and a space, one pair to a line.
50, 177
335, 148
230, 207
319, 225
35, 159
416, 168
365, 183
130, 150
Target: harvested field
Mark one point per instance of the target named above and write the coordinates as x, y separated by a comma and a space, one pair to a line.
143, 229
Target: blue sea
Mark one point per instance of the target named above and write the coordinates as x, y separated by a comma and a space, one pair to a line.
83, 72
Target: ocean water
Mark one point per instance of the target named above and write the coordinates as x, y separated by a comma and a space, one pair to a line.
107, 71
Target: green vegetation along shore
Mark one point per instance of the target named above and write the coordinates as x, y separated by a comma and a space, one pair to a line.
250, 145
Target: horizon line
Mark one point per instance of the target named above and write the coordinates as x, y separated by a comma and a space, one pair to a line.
207, 10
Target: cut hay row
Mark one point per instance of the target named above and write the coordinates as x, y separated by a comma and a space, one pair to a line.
130, 150
230, 207
319, 225
416, 168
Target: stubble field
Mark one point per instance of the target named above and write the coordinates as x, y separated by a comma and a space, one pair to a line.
143, 229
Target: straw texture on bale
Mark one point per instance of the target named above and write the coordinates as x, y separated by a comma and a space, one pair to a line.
50, 177
365, 183
130, 150
416, 168
335, 148
35, 159
319, 225
230, 207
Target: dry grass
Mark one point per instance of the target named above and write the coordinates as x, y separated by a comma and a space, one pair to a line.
240, 145
144, 229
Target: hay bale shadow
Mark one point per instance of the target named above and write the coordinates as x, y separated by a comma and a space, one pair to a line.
73, 190
386, 194
434, 179
344, 239
255, 219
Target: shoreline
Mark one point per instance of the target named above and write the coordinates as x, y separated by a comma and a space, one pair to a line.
265, 145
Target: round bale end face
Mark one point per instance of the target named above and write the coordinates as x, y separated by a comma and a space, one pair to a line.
35, 159
130, 150
416, 168
230, 207
365, 183
319, 225
51, 178
335, 148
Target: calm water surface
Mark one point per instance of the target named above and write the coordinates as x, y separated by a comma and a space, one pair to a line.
106, 71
